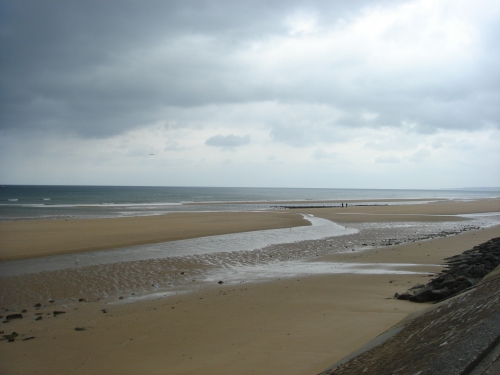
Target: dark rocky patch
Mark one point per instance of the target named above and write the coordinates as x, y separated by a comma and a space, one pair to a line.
464, 271
14, 316
11, 337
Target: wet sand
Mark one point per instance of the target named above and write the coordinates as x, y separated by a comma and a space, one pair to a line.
27, 239
298, 325
429, 212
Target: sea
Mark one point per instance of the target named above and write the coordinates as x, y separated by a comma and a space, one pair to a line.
161, 270
21, 202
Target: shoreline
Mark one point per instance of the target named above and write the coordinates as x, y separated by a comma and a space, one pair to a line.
36, 238
153, 209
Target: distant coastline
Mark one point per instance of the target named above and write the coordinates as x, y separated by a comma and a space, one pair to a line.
27, 202
476, 188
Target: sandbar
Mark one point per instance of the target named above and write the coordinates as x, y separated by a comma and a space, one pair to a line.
410, 212
34, 238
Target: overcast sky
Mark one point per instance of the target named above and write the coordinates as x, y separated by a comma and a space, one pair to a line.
361, 94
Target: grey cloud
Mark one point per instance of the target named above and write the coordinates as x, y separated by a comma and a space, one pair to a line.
228, 141
83, 67
97, 69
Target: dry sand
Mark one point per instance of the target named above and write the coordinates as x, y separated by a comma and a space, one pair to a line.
292, 326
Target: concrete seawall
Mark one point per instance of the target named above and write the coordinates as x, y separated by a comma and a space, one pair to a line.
460, 335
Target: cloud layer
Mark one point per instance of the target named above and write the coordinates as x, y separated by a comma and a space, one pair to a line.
388, 87
226, 141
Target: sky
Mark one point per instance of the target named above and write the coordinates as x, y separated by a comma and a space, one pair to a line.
324, 94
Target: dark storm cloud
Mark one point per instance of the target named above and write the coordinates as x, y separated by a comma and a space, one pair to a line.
100, 68
82, 66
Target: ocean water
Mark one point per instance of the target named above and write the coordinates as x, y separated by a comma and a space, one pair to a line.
49, 202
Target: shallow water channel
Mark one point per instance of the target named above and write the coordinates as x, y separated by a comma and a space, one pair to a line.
180, 266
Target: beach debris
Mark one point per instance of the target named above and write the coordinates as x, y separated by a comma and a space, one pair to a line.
14, 316
39, 318
220, 282
80, 329
11, 337
104, 311
121, 297
83, 300
37, 305
182, 273
28, 338
464, 271
24, 311
58, 312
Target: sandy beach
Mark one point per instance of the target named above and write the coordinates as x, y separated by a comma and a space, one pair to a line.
26, 239
441, 210
298, 325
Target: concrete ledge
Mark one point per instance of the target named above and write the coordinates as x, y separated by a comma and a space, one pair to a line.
449, 338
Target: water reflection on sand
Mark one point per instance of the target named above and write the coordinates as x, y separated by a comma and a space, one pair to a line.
246, 241
180, 266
